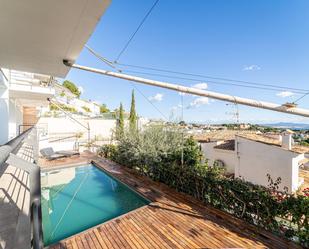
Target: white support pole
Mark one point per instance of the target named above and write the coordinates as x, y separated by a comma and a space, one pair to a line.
194, 91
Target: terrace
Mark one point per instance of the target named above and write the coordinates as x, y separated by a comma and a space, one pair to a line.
171, 220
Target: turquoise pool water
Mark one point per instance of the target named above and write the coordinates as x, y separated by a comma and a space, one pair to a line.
77, 198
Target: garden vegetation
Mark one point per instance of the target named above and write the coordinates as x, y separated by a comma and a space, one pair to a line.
162, 154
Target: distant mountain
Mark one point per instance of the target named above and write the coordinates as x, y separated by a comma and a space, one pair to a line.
287, 125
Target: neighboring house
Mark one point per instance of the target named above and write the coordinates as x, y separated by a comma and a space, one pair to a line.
252, 157
64, 93
22, 94
66, 97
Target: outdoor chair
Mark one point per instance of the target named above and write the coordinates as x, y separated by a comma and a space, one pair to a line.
50, 154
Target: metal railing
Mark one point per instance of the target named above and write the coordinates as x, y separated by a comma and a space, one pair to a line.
8, 156
24, 127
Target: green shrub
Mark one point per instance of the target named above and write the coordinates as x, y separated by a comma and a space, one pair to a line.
107, 150
87, 109
64, 107
72, 87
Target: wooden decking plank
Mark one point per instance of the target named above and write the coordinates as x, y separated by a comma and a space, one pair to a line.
202, 222
194, 229
166, 233
84, 241
145, 241
153, 237
74, 244
99, 239
114, 242
127, 236
94, 239
170, 218
89, 240
210, 233
112, 226
130, 233
182, 231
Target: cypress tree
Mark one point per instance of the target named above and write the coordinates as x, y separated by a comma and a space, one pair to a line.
120, 127
133, 115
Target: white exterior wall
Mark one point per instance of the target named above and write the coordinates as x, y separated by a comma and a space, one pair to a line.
212, 154
4, 110
15, 118
256, 160
19, 89
60, 125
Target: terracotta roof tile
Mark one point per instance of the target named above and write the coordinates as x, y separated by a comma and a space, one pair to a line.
227, 145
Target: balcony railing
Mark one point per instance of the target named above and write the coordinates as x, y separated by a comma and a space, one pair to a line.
22, 153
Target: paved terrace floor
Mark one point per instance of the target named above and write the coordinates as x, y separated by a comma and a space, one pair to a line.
15, 203
172, 220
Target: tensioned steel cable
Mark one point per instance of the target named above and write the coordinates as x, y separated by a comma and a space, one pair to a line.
246, 84
135, 32
69, 204
294, 102
211, 82
111, 64
211, 77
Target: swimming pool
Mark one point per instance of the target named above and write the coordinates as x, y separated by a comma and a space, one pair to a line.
77, 198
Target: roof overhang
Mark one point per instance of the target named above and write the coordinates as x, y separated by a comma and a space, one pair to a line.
36, 36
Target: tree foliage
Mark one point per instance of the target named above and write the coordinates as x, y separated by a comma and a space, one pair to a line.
86, 108
104, 109
133, 115
120, 123
72, 87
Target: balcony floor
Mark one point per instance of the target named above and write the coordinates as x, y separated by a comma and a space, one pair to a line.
172, 220
14, 203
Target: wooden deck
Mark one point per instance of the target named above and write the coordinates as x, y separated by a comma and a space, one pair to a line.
172, 220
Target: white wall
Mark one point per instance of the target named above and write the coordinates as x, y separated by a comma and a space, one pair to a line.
256, 160
212, 154
15, 118
253, 160
4, 110
101, 127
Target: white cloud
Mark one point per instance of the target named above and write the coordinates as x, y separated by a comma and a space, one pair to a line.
285, 94
182, 94
201, 86
81, 89
156, 98
251, 68
176, 107
198, 102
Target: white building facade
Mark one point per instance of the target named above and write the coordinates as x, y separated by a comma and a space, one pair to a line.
253, 160
21, 96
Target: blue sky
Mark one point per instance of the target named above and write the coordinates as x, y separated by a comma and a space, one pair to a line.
259, 41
